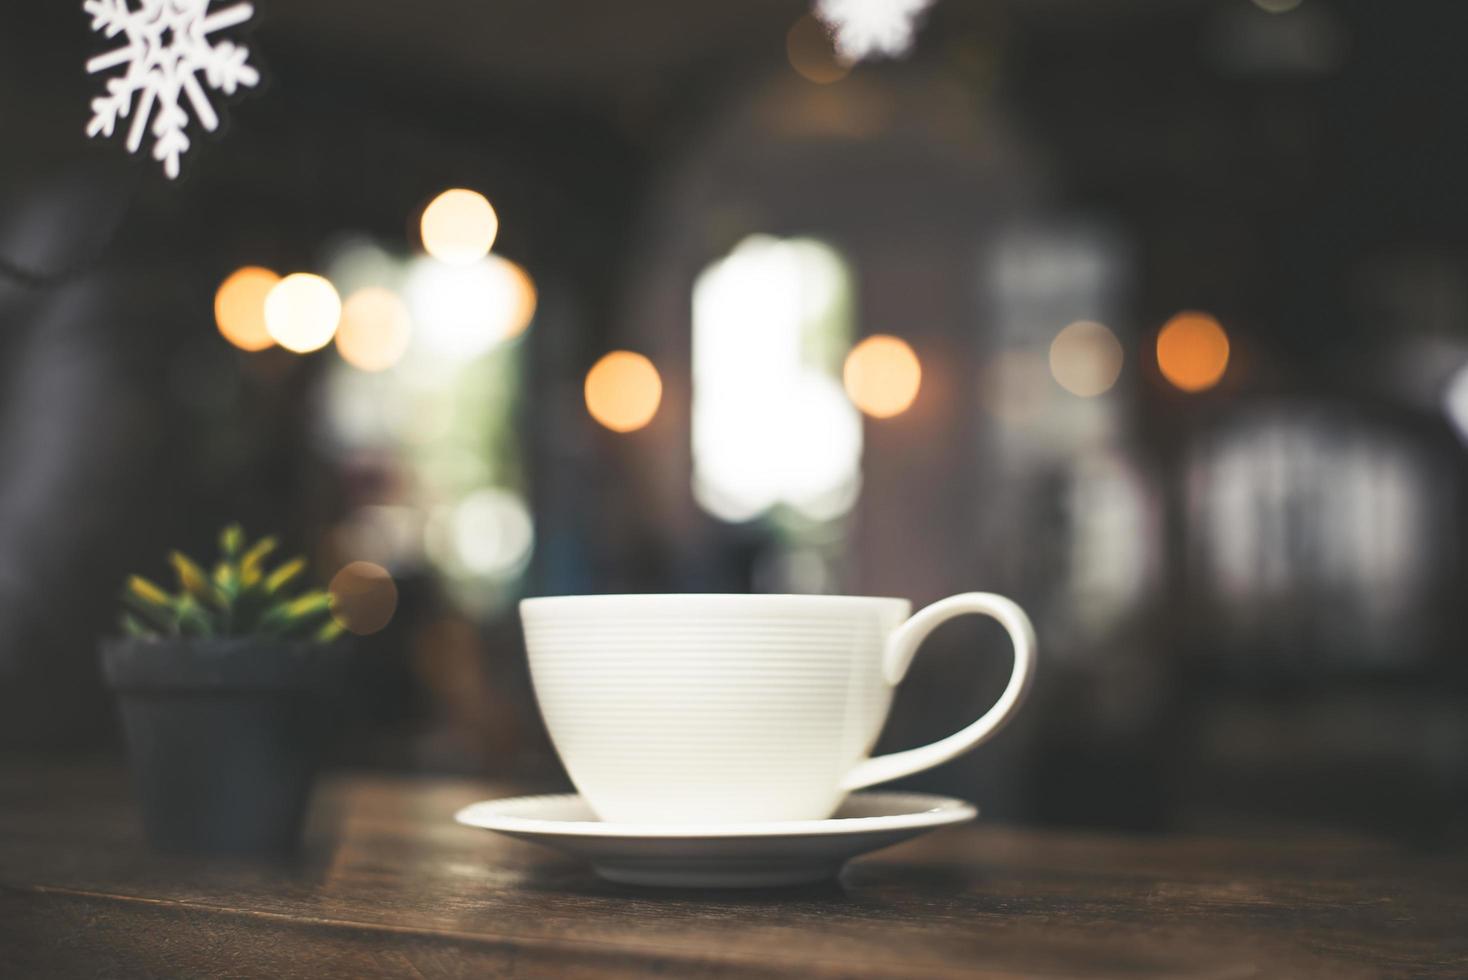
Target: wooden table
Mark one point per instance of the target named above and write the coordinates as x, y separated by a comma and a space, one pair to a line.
390, 887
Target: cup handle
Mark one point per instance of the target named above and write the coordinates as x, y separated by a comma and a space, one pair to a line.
901, 647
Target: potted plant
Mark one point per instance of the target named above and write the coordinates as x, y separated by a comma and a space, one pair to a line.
225, 688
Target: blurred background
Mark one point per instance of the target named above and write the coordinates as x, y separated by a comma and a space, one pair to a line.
1151, 314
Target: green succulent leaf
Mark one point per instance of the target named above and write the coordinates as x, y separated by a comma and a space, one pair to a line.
329, 631
284, 575
238, 598
294, 614
151, 603
227, 578
252, 565
144, 591
232, 541
193, 619
194, 582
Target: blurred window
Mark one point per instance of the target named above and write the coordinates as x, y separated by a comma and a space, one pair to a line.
1318, 534
772, 426
430, 444
1056, 295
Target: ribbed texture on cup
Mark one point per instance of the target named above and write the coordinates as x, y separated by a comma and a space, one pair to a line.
700, 716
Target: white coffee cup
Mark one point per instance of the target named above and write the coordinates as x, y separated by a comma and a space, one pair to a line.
737, 708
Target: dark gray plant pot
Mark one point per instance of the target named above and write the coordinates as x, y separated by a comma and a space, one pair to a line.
225, 735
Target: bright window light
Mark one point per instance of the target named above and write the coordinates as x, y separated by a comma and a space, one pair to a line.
771, 423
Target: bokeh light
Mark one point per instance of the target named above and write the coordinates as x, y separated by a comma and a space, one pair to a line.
517, 289
623, 390
1085, 358
492, 532
882, 376
1277, 6
463, 311
459, 226
811, 53
364, 597
375, 329
239, 307
1192, 351
302, 312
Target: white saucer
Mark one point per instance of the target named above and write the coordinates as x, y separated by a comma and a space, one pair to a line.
737, 855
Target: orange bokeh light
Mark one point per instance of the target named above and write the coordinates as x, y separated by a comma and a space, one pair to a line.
1192, 351
459, 226
811, 54
882, 376
623, 391
239, 307
374, 330
521, 309
363, 597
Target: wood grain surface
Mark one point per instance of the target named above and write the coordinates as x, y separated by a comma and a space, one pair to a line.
389, 886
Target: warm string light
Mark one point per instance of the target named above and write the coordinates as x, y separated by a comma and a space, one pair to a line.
459, 226
239, 307
623, 391
363, 597
811, 54
1192, 351
465, 299
375, 329
464, 311
302, 312
520, 298
882, 376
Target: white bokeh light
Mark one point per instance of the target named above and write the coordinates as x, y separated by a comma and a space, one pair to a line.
462, 311
492, 531
302, 312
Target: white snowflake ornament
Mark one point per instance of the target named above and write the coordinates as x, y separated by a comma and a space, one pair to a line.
168, 47
867, 28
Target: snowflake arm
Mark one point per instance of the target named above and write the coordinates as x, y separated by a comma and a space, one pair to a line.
107, 109
109, 16
230, 70
140, 118
170, 141
167, 49
228, 17
202, 108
